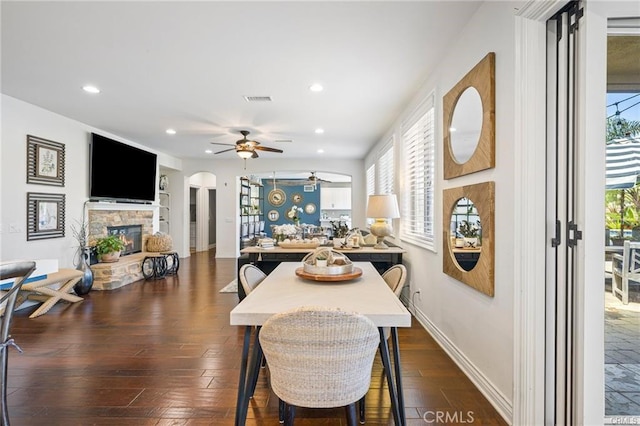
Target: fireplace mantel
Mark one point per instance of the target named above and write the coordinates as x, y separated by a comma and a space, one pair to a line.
104, 205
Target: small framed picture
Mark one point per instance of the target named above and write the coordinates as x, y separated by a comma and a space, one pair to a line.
308, 188
45, 215
45, 161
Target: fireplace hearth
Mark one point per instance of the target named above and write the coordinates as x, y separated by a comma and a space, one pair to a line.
131, 236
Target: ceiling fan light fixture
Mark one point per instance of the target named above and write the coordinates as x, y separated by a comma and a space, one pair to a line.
244, 153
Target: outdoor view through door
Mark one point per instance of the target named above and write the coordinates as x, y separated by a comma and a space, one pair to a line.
622, 219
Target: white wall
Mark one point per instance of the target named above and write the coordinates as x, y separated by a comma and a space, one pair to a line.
18, 120
476, 329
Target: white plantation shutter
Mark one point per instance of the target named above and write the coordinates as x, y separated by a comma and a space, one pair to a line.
418, 153
371, 180
385, 169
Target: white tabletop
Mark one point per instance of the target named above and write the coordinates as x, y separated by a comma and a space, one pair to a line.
283, 290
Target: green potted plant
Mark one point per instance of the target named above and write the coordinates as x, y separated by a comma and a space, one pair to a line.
108, 248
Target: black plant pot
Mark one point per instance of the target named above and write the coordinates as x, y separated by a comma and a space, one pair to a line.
83, 286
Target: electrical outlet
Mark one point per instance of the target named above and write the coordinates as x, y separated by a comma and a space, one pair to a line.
418, 293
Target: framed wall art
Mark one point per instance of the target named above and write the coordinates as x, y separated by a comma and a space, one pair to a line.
45, 215
45, 161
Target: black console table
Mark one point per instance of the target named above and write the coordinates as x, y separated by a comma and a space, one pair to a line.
268, 259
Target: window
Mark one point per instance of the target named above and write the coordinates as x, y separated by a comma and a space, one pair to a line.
418, 153
371, 180
385, 169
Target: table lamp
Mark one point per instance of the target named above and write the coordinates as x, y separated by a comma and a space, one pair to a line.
381, 208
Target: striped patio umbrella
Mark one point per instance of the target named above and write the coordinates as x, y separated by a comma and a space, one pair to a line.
623, 163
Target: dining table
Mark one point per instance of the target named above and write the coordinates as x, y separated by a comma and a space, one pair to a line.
283, 289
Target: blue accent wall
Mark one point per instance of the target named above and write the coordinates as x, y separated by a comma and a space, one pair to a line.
291, 190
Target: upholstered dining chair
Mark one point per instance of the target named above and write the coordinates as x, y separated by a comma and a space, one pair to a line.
250, 277
18, 271
319, 358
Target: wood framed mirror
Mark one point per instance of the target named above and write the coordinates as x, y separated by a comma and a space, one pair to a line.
472, 263
469, 121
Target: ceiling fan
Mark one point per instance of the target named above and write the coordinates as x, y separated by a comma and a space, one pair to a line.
246, 148
311, 180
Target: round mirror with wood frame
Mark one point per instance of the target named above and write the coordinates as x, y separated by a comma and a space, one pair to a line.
481, 151
481, 275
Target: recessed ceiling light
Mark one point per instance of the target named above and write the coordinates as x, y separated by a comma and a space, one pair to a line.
90, 89
452, 129
208, 151
319, 131
320, 151
316, 87
170, 131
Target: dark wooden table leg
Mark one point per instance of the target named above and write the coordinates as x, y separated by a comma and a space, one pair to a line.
243, 377
388, 372
398, 374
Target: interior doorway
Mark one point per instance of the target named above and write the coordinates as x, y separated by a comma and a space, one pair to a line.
212, 218
193, 203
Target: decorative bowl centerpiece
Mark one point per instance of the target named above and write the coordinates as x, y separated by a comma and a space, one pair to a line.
326, 261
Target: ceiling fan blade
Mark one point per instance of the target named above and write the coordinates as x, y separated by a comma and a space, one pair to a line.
225, 150
254, 155
218, 143
266, 148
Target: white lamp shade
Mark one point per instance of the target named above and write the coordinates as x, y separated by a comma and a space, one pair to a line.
383, 206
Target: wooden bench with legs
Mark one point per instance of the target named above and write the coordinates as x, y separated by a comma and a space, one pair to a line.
55, 287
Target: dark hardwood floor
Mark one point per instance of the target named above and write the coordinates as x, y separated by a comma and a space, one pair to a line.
163, 353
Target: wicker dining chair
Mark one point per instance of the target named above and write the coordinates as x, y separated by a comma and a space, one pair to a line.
19, 272
319, 358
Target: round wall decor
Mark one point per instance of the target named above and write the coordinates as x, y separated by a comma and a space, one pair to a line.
296, 198
273, 215
277, 197
310, 208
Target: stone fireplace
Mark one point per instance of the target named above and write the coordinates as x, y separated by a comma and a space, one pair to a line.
100, 220
131, 236
134, 223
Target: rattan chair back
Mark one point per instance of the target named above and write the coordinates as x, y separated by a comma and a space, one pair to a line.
319, 357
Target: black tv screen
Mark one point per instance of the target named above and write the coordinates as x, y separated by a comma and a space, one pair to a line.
121, 172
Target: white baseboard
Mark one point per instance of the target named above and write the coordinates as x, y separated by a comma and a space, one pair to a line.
484, 385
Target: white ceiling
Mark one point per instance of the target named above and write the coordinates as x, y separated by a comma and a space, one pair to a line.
187, 66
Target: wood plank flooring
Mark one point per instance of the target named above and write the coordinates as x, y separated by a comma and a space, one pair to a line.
163, 353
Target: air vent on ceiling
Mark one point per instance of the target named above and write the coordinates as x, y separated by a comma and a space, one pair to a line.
283, 141
258, 98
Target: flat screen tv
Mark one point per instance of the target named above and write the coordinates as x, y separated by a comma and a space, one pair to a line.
121, 172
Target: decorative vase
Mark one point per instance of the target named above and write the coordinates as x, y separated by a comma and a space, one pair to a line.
83, 286
164, 183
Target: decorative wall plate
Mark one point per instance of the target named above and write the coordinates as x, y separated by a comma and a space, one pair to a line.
277, 197
310, 208
273, 215
296, 198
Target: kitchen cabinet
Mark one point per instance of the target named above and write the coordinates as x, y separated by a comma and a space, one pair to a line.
335, 198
